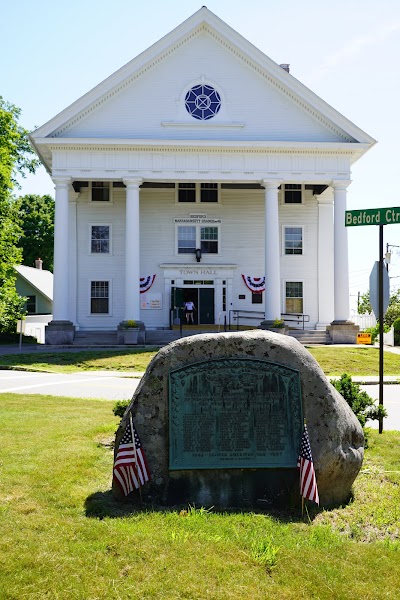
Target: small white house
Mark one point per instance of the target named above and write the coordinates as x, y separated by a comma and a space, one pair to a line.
203, 171
36, 284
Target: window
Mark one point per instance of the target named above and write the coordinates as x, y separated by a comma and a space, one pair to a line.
192, 237
198, 192
186, 240
256, 298
209, 192
294, 297
99, 297
293, 240
293, 193
186, 192
100, 239
31, 305
202, 102
209, 240
101, 191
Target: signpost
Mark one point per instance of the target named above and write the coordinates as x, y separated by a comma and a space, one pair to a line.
381, 217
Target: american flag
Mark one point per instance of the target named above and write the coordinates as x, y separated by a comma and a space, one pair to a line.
308, 483
130, 466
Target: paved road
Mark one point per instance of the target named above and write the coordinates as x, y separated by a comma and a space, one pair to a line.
107, 386
118, 386
391, 401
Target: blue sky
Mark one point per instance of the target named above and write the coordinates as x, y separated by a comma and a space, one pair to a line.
347, 52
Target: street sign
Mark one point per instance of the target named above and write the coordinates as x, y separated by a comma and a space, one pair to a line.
372, 216
374, 289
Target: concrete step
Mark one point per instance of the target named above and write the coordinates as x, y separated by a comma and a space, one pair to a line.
310, 336
161, 337
95, 338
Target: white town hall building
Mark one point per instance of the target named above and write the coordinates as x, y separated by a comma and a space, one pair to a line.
194, 172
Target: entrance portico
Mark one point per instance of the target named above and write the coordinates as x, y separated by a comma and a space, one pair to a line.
184, 274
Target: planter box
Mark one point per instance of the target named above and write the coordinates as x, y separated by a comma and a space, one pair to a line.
131, 335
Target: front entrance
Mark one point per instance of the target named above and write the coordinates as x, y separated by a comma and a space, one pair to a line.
202, 298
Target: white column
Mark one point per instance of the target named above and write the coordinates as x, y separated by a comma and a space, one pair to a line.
341, 254
272, 252
61, 247
325, 259
132, 250
73, 271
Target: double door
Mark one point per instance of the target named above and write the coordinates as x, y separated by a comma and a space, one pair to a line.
203, 298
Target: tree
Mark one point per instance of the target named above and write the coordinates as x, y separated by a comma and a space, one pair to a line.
393, 310
15, 157
37, 222
364, 304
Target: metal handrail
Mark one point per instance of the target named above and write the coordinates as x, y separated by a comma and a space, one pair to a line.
298, 318
236, 314
244, 314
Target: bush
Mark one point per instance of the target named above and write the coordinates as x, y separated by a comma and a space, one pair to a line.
13, 338
374, 331
396, 327
120, 407
362, 405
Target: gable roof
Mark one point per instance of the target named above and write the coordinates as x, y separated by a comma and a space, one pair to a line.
200, 21
40, 279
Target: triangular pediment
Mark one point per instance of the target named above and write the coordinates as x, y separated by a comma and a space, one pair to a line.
259, 101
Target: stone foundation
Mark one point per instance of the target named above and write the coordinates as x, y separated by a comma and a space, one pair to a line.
343, 332
59, 333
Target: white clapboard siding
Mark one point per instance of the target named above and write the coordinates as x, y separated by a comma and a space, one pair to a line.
241, 243
148, 106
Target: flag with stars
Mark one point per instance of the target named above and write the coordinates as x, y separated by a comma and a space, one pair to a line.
130, 467
308, 482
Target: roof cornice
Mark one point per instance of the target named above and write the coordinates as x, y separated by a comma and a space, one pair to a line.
205, 20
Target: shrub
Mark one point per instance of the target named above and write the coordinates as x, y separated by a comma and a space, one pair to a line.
362, 405
120, 407
396, 327
374, 331
279, 323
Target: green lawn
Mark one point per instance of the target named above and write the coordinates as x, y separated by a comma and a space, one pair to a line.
359, 360
88, 360
64, 537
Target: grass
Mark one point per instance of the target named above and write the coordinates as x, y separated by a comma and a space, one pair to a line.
64, 537
333, 360
355, 361
88, 360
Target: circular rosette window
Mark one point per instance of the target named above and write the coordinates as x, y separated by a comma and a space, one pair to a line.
203, 102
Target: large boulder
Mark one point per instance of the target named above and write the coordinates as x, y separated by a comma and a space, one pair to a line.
335, 434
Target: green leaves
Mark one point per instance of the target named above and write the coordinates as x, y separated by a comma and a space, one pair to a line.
36, 215
15, 158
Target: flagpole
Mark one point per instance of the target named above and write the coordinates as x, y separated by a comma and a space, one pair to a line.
136, 461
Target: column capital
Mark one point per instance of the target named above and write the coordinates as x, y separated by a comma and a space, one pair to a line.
271, 184
340, 184
132, 182
61, 181
73, 197
325, 201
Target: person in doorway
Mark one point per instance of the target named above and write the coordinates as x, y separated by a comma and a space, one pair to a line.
189, 308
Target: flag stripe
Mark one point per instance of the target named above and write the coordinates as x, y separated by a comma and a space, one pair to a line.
308, 482
130, 467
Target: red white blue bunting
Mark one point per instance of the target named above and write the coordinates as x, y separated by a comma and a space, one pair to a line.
255, 284
146, 283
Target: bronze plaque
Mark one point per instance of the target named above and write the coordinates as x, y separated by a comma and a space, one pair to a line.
234, 413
